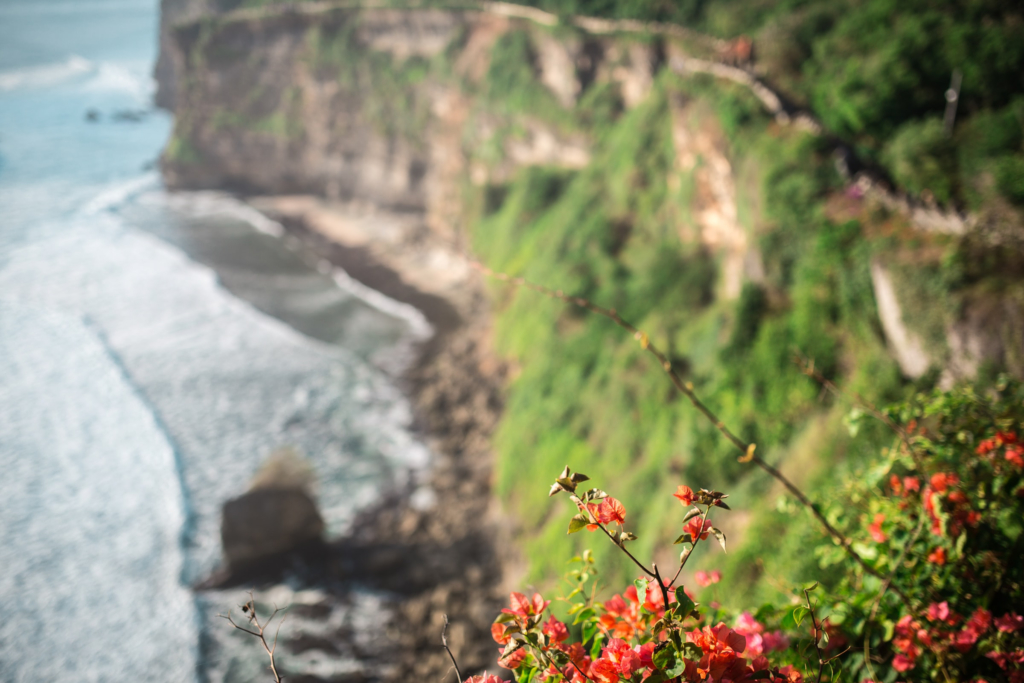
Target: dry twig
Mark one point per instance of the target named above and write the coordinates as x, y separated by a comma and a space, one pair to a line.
249, 609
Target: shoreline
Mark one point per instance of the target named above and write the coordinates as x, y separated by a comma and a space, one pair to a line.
448, 558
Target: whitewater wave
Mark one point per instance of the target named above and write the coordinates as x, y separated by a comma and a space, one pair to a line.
46, 75
121, 78
209, 204
115, 196
91, 77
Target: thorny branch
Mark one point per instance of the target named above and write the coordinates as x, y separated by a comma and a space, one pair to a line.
249, 609
686, 388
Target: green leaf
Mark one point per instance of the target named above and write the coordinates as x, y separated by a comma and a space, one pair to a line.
665, 658
720, 535
683, 605
589, 630
692, 651
577, 523
685, 538
584, 615
760, 675
641, 590
504, 618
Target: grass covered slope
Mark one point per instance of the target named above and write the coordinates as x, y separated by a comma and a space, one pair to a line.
622, 233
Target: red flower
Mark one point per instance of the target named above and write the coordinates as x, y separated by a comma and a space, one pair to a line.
604, 671
611, 510
498, 633
555, 630
625, 659
902, 663
938, 556
1015, 454
513, 660
964, 640
685, 495
895, 484
484, 678
912, 484
1005, 438
522, 607
1010, 622
875, 529
941, 481
694, 528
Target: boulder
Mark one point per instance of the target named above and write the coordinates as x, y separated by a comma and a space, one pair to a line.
268, 522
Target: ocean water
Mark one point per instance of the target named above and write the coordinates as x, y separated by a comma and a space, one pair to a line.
154, 349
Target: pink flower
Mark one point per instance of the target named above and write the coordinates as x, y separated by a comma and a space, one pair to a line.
705, 579
902, 663
774, 641
938, 611
937, 556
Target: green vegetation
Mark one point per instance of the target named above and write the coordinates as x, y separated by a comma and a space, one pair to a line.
619, 232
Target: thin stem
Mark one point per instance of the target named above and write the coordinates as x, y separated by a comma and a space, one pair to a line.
682, 563
444, 642
250, 608
749, 454
593, 520
816, 633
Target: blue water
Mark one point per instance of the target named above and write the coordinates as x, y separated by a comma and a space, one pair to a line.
154, 349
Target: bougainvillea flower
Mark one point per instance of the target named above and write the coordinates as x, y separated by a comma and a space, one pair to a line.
1015, 455
610, 510
902, 663
513, 660
912, 484
1005, 438
694, 528
626, 660
790, 674
685, 495
980, 621
555, 630
484, 678
705, 579
941, 481
498, 633
523, 607
937, 556
895, 484
875, 529
938, 611
1009, 622
604, 671
965, 639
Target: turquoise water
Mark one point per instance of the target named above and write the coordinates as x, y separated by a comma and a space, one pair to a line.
154, 349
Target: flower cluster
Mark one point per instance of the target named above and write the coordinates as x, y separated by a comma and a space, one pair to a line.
650, 632
947, 540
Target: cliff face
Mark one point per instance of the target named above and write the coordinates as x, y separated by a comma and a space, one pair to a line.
382, 106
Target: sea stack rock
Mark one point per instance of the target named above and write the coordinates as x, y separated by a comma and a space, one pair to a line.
277, 515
